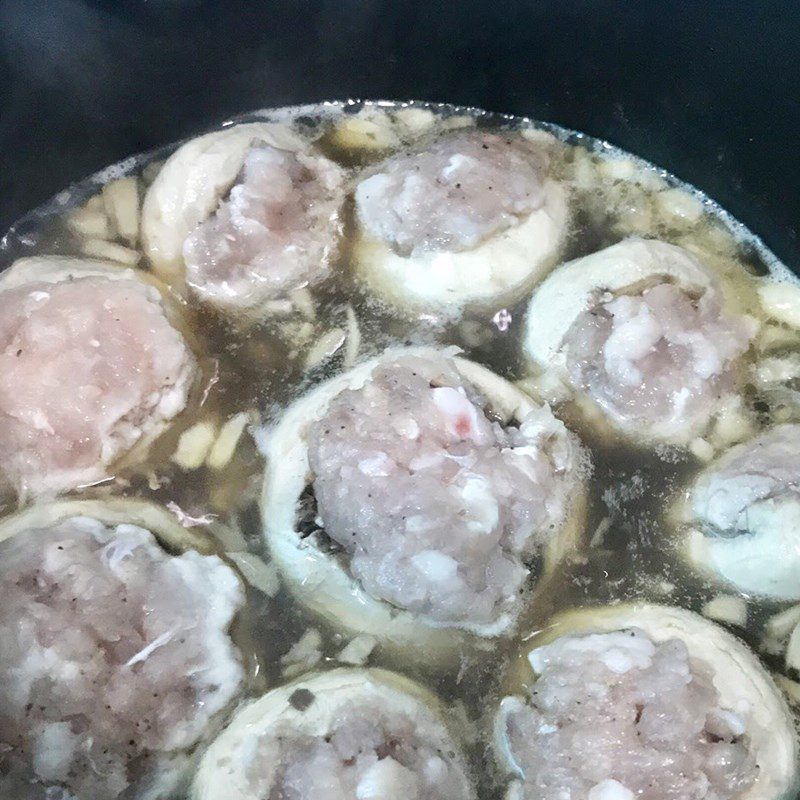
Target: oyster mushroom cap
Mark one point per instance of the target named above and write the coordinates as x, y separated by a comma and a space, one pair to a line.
499, 258
323, 581
740, 680
569, 291
56, 269
742, 516
244, 215
164, 526
191, 183
110, 338
155, 680
247, 762
635, 289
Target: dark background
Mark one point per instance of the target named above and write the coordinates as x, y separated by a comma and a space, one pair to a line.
707, 89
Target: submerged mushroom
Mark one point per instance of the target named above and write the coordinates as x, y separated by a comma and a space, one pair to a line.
93, 363
246, 215
641, 333
473, 218
743, 516
116, 658
419, 491
644, 701
341, 735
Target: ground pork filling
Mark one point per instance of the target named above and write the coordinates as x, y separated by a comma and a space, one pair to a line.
277, 231
368, 753
659, 357
438, 506
87, 367
614, 716
114, 657
757, 482
459, 191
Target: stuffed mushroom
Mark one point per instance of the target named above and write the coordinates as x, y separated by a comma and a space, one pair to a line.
414, 495
644, 701
341, 735
742, 516
94, 365
116, 656
473, 219
642, 335
245, 215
